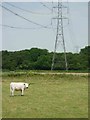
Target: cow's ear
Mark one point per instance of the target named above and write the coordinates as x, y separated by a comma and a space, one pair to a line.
24, 83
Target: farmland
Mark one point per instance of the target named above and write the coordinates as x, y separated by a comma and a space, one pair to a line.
48, 96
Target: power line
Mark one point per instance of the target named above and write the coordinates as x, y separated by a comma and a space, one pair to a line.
46, 6
51, 9
9, 26
29, 11
23, 17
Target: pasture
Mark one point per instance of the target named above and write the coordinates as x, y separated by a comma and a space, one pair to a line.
48, 96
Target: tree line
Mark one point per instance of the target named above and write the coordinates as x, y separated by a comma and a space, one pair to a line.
41, 59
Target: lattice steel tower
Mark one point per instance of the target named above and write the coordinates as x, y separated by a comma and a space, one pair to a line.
59, 34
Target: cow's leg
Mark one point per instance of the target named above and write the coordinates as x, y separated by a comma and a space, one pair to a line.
22, 92
12, 92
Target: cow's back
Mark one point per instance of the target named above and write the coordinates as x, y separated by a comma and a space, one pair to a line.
17, 85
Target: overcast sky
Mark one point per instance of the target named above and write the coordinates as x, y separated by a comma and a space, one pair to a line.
75, 33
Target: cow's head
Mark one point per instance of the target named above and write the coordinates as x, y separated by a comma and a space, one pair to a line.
26, 85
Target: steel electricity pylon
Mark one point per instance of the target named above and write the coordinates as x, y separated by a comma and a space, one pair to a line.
60, 33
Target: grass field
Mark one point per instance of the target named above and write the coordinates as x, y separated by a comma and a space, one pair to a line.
48, 96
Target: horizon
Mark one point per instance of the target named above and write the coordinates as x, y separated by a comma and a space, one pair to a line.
42, 49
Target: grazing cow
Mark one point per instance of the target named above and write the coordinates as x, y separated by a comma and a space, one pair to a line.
18, 86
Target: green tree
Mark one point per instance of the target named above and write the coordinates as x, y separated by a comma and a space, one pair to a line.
43, 62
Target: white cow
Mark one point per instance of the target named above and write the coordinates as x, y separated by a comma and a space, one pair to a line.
18, 86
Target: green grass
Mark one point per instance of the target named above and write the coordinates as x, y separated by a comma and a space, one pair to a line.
48, 96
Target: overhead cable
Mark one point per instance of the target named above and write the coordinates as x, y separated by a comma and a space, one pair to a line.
23, 17
46, 6
29, 11
9, 26
51, 9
